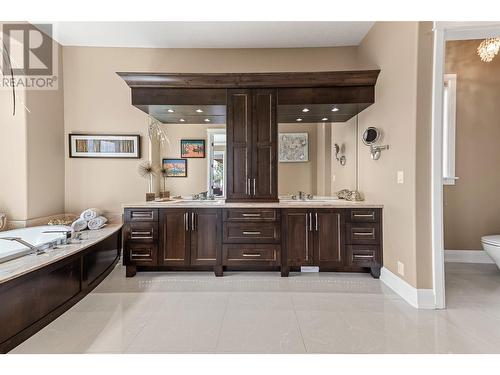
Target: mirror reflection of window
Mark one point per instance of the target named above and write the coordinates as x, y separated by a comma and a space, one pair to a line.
217, 159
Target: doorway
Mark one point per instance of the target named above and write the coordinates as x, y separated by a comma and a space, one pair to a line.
443, 32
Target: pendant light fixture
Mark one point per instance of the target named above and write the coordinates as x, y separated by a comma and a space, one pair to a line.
488, 49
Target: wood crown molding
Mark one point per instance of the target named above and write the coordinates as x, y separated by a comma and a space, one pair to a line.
250, 80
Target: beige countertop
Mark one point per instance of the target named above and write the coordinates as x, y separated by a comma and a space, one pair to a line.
23, 265
330, 203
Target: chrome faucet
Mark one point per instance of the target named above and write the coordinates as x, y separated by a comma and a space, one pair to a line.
35, 250
203, 196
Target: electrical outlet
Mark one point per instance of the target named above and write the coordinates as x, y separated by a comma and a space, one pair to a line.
401, 177
401, 268
334, 178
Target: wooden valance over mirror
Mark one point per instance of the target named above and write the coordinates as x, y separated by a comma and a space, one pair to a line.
301, 96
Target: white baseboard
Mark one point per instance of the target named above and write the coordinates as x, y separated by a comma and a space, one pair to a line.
467, 256
419, 298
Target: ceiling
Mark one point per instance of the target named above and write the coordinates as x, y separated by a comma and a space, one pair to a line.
210, 34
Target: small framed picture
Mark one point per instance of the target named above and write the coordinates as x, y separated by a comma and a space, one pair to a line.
104, 146
192, 148
175, 167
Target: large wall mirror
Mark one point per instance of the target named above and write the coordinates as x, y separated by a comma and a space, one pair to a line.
317, 158
203, 150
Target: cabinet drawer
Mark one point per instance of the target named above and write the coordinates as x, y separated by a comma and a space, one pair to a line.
141, 214
235, 232
363, 233
139, 231
363, 255
251, 215
369, 215
141, 254
242, 254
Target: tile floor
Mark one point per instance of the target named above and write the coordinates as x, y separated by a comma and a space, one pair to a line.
263, 313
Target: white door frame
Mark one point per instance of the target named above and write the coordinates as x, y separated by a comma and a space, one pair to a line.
444, 31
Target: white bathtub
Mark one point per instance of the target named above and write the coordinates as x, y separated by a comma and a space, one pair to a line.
34, 235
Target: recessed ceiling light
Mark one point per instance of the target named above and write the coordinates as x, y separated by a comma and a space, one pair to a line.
335, 109
299, 120
199, 110
305, 110
170, 110
207, 120
182, 120
324, 119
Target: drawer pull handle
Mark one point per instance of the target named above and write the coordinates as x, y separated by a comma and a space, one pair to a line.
140, 255
142, 214
363, 233
251, 255
372, 215
363, 256
141, 235
251, 233
250, 215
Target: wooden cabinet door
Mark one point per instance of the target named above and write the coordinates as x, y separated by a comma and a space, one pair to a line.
205, 228
174, 237
297, 235
328, 238
239, 143
264, 145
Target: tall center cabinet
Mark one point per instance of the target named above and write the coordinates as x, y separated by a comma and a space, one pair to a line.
252, 133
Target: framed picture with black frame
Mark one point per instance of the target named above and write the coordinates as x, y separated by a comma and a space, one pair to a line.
112, 146
192, 148
175, 167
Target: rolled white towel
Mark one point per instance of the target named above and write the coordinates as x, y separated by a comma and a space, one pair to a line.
79, 224
97, 223
90, 213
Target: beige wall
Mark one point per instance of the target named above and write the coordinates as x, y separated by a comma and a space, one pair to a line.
197, 169
472, 205
402, 110
392, 47
293, 177
32, 153
97, 100
423, 240
46, 150
13, 157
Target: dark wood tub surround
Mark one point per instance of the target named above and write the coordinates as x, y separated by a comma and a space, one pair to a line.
218, 239
31, 301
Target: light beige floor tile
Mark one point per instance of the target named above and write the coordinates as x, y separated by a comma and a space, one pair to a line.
179, 331
264, 313
260, 331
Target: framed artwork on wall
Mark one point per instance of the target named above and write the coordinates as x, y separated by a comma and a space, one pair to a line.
105, 146
175, 167
293, 147
192, 148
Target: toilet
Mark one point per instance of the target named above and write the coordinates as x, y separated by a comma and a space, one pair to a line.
491, 244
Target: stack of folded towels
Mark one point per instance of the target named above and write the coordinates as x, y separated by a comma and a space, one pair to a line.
91, 218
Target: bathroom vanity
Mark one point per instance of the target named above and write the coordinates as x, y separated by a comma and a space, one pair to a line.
283, 236
249, 228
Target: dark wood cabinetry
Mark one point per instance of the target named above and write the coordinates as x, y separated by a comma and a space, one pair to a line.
364, 239
333, 239
185, 239
252, 134
312, 237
